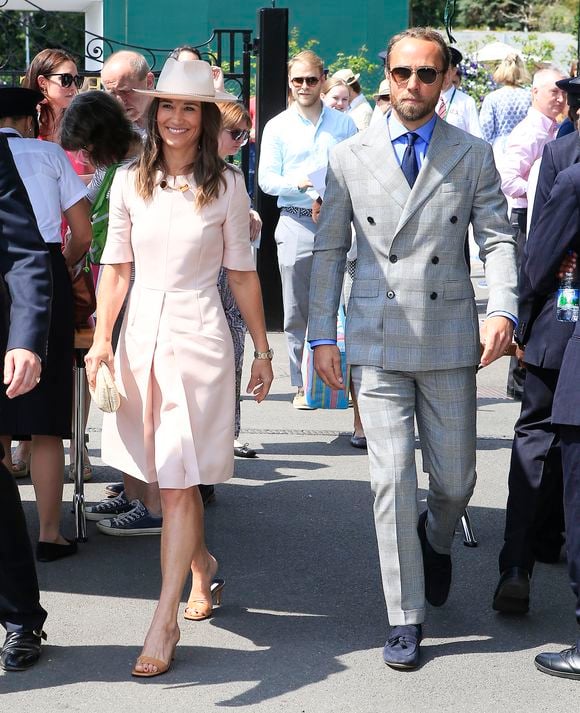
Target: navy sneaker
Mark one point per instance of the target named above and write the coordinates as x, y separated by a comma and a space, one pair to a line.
402, 648
137, 521
110, 507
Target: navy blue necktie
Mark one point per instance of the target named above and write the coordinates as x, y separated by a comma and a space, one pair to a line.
409, 164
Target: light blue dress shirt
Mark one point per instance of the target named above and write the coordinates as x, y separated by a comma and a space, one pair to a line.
293, 147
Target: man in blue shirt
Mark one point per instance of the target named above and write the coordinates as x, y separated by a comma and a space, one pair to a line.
294, 145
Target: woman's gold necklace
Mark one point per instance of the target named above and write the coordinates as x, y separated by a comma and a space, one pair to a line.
165, 186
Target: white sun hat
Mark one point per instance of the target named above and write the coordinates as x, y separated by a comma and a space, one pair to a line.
187, 81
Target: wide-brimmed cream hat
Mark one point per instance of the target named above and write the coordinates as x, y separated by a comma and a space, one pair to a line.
384, 89
187, 81
347, 75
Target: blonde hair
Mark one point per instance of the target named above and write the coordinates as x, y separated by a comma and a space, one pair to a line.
308, 57
512, 71
333, 82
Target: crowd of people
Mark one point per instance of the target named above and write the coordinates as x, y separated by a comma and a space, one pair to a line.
380, 203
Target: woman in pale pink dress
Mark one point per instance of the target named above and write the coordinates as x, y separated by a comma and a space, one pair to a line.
178, 215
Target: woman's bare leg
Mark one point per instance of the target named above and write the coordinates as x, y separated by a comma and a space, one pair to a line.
182, 540
46, 471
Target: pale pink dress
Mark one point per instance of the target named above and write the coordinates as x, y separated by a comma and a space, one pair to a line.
174, 363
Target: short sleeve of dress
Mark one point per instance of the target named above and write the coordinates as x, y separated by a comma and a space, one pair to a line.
236, 227
118, 247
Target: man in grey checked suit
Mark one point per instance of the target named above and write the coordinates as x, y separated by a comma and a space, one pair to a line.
411, 189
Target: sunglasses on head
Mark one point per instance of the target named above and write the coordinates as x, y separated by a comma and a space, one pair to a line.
299, 81
426, 75
66, 79
239, 134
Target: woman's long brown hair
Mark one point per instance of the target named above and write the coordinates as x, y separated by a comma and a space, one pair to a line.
208, 168
44, 64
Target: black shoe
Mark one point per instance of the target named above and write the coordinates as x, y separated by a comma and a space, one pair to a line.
512, 595
402, 648
437, 568
21, 650
358, 442
50, 551
244, 451
566, 664
207, 493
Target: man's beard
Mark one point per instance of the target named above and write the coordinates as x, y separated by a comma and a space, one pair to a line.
413, 111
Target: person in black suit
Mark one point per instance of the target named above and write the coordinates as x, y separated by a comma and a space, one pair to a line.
557, 231
25, 268
534, 513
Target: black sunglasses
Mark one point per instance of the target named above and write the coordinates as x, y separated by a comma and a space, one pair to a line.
299, 81
239, 134
426, 75
66, 79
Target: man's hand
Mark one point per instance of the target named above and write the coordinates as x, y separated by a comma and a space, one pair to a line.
568, 264
327, 365
496, 336
304, 185
21, 371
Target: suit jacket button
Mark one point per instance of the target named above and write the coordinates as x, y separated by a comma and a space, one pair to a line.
433, 295
435, 259
390, 294
371, 220
393, 258
453, 219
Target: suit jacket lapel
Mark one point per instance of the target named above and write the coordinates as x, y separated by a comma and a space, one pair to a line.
376, 153
444, 152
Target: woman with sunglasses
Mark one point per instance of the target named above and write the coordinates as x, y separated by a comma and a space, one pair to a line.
236, 125
179, 214
53, 72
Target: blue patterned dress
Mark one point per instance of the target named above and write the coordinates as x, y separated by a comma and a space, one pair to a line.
501, 111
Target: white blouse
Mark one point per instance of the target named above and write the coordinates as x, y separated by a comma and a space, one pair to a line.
50, 180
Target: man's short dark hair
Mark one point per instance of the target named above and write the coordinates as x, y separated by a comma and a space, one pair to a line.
427, 34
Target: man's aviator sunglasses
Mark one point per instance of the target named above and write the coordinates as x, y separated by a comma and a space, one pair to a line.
426, 75
299, 81
66, 79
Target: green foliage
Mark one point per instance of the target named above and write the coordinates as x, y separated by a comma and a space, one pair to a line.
370, 72
427, 13
535, 50
542, 15
557, 18
64, 30
294, 45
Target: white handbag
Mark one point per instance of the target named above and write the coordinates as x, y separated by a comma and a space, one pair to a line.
105, 394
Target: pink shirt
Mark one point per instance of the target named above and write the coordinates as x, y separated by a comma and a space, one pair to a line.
524, 146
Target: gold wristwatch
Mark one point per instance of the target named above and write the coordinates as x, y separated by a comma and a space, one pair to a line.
264, 355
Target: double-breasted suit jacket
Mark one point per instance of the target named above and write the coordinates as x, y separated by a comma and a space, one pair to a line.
412, 304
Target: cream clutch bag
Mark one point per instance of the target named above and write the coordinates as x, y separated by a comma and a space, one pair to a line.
105, 395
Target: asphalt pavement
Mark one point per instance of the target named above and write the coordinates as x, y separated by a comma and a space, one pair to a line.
303, 620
